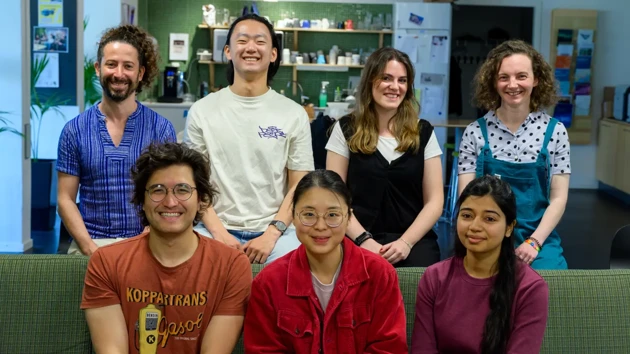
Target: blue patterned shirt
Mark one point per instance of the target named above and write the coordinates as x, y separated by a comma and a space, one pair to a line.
86, 150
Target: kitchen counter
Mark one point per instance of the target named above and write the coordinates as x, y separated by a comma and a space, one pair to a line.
154, 104
176, 113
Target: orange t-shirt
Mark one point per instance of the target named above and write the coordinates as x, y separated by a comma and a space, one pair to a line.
168, 306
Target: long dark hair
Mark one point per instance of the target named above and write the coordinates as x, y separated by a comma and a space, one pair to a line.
158, 156
273, 66
325, 179
497, 329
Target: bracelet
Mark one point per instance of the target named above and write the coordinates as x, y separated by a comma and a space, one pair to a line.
537, 242
533, 244
362, 238
405, 241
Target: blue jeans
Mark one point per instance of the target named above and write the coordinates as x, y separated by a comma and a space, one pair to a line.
285, 244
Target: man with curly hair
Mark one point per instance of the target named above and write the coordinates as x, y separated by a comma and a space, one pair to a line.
519, 142
169, 290
98, 148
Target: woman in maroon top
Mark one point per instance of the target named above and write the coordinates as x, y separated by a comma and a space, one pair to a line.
483, 300
329, 295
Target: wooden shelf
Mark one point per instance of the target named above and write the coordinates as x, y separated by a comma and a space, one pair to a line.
316, 30
300, 67
308, 65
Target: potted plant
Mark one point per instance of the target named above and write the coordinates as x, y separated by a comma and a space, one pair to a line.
43, 175
91, 84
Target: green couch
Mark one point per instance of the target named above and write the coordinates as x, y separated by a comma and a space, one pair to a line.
40, 296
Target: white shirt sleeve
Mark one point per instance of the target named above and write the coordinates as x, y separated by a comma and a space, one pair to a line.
193, 133
301, 147
468, 151
560, 156
337, 142
433, 147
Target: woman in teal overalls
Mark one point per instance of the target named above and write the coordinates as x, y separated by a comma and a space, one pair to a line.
517, 141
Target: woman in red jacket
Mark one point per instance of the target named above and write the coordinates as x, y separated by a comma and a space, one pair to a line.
329, 295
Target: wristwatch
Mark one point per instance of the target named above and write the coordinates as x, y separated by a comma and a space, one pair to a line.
362, 238
281, 226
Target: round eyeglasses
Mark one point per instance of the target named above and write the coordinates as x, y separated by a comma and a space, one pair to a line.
181, 191
309, 218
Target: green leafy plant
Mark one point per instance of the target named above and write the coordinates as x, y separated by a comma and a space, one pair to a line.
91, 85
4, 125
40, 106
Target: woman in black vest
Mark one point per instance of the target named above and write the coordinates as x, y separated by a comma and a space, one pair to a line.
391, 162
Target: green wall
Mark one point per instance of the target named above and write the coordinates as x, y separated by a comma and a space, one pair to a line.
161, 17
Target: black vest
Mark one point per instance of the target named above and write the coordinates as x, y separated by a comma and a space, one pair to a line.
387, 198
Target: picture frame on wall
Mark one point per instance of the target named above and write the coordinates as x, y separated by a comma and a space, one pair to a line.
50, 39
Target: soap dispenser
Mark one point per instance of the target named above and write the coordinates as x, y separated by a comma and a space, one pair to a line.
323, 95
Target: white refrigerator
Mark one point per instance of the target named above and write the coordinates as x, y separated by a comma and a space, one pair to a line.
423, 32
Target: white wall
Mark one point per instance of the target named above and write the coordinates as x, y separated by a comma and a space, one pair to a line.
610, 68
101, 15
13, 236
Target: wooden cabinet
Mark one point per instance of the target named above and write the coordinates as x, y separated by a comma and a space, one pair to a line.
613, 154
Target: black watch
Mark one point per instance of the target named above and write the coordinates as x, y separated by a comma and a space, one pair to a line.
362, 238
281, 226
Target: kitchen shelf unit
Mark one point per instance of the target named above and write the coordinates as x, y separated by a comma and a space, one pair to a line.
298, 67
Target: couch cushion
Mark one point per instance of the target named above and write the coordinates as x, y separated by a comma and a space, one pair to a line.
40, 297
589, 311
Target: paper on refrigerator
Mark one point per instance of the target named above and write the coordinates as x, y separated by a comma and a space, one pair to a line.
432, 101
408, 44
439, 49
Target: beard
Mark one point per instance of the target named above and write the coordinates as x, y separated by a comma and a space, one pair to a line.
118, 95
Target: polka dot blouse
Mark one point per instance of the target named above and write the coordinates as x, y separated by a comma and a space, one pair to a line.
522, 147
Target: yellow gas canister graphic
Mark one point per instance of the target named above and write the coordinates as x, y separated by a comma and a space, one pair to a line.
148, 329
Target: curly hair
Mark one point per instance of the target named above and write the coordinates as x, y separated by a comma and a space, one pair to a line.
158, 156
364, 118
544, 95
148, 55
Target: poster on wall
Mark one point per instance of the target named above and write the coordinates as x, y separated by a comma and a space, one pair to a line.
178, 46
127, 14
50, 39
50, 13
49, 77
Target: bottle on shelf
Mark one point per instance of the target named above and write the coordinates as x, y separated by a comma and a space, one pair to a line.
323, 95
338, 94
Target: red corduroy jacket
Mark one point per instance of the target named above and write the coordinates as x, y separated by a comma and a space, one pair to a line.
365, 313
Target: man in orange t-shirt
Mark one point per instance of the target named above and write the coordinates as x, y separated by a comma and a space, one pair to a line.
168, 290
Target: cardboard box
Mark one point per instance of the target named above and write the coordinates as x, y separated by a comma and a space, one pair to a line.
608, 102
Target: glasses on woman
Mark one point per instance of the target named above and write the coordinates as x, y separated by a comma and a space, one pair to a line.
181, 191
332, 218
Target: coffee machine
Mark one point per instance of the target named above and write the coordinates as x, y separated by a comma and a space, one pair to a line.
172, 84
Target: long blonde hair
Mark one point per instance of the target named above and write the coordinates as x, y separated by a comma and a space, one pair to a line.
365, 119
